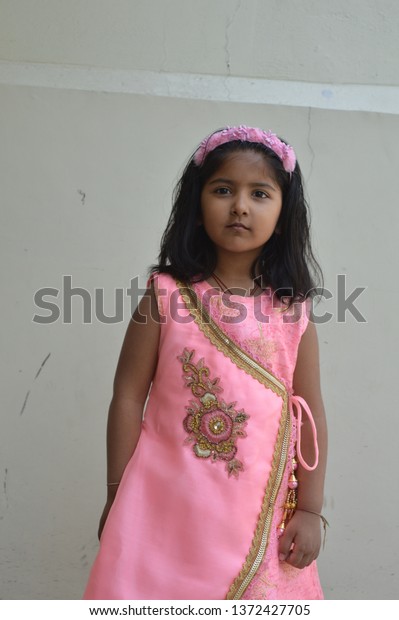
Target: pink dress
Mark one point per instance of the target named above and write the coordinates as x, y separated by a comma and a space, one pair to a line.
198, 508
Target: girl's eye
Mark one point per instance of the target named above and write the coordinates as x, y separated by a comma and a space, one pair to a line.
260, 194
222, 190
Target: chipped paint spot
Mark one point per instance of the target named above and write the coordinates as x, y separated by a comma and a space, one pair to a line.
82, 196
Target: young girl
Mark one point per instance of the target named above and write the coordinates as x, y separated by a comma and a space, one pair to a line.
216, 490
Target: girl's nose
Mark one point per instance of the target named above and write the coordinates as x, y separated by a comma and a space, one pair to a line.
239, 206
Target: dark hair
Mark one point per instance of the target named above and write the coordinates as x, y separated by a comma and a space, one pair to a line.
286, 262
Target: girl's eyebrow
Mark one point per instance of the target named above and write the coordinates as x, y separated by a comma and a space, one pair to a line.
230, 182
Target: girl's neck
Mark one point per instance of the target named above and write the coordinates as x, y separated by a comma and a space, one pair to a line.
235, 274
235, 289
234, 270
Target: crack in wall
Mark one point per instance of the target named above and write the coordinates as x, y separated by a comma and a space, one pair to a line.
5, 489
312, 153
229, 24
5, 484
164, 60
227, 41
40, 369
25, 401
37, 374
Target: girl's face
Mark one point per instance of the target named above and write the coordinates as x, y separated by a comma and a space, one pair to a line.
241, 204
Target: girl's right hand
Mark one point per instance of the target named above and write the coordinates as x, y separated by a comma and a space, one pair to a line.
136, 367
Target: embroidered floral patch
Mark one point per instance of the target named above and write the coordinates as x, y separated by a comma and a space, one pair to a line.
213, 426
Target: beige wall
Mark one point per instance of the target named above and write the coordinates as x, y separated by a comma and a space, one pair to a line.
338, 41
86, 172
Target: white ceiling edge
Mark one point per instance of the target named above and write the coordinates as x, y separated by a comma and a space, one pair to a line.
350, 97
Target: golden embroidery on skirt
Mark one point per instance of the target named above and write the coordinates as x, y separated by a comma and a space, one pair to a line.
213, 426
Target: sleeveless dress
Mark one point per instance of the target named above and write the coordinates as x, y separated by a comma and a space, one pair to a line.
197, 512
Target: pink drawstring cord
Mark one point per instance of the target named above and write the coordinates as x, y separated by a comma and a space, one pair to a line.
299, 404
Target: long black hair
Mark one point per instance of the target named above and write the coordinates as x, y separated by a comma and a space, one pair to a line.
286, 263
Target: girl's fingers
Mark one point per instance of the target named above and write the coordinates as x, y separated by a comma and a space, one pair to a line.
285, 545
295, 558
300, 559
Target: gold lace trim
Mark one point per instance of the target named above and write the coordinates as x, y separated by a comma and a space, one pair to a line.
242, 360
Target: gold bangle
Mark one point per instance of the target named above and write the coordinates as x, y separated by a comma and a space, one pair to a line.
112, 484
324, 521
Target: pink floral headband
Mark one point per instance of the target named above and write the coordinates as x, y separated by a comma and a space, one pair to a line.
285, 152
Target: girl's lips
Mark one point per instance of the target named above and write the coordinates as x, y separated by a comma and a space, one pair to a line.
238, 225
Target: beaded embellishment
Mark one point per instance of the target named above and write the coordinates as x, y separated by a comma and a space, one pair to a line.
291, 500
213, 426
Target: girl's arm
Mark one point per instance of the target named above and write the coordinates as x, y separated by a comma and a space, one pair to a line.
301, 541
133, 377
